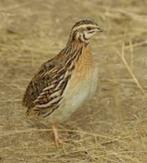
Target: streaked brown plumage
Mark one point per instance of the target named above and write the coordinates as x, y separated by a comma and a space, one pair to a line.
63, 83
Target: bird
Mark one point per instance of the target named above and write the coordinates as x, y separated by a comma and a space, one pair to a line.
64, 82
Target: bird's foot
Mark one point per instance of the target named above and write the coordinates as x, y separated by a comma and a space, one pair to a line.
57, 139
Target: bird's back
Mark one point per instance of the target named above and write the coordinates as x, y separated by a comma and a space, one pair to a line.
44, 85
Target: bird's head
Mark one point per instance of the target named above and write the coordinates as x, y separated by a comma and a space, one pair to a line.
83, 30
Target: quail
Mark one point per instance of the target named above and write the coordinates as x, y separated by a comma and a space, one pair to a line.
66, 81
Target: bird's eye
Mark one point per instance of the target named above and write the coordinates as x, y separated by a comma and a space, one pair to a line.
89, 28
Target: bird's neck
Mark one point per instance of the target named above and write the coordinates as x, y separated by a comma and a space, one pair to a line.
76, 44
75, 47
72, 53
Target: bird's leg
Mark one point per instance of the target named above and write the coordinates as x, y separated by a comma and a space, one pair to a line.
57, 139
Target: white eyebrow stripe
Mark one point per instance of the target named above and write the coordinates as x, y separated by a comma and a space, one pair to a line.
83, 26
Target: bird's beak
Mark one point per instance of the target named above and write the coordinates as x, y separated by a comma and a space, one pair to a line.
99, 29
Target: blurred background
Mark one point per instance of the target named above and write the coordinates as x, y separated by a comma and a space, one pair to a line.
113, 125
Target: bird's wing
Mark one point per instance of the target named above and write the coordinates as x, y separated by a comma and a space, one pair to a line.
45, 91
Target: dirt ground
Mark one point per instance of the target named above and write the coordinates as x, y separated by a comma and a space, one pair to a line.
110, 128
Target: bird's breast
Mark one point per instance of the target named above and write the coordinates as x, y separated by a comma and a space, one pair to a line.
81, 86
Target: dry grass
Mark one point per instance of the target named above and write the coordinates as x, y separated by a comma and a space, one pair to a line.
114, 126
